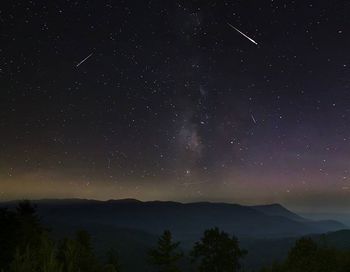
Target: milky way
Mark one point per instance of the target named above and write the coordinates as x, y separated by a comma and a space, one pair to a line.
171, 103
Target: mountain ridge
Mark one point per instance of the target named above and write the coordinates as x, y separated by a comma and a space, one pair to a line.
186, 220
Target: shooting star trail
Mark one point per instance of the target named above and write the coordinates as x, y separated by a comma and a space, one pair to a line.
84, 60
243, 34
253, 118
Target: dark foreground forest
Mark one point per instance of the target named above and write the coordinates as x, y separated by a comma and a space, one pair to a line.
26, 244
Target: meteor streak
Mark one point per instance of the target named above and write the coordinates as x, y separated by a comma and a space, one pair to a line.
243, 34
253, 118
84, 60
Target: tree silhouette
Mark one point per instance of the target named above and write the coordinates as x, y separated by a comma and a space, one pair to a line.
167, 254
303, 254
23, 261
87, 259
8, 237
26, 246
30, 228
113, 263
47, 256
41, 258
21, 230
77, 254
308, 256
217, 252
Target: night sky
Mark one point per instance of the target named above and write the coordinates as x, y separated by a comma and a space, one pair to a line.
164, 99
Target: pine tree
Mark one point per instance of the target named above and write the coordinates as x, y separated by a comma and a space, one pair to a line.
47, 256
113, 263
167, 254
77, 254
218, 252
8, 237
23, 261
29, 228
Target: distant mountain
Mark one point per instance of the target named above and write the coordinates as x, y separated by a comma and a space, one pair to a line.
279, 210
186, 221
320, 225
340, 217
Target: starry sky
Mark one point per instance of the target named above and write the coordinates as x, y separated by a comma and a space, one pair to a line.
165, 99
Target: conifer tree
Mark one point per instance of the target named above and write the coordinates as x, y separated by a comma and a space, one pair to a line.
167, 254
